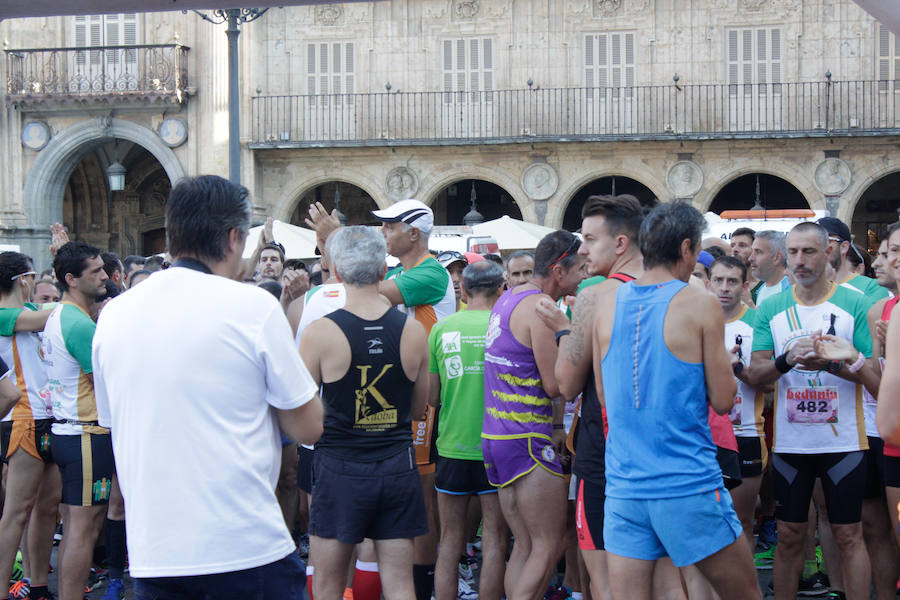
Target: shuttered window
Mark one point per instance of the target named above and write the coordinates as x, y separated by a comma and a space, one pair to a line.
754, 57
888, 63
120, 29
329, 70
468, 66
609, 61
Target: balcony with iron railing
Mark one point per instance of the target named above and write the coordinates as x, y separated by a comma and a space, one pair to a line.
666, 112
154, 72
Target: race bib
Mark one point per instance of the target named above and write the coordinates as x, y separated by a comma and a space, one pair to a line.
812, 405
737, 410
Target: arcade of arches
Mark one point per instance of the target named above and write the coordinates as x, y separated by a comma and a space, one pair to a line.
876, 210
130, 221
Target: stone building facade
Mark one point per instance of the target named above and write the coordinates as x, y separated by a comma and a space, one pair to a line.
528, 105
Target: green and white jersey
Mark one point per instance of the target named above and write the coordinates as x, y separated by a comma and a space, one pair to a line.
66, 346
427, 291
22, 353
456, 347
815, 411
746, 415
868, 286
859, 284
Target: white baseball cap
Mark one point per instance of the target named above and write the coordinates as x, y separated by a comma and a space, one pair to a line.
412, 212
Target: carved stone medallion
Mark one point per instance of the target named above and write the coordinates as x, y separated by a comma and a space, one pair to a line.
401, 183
606, 7
832, 176
685, 178
329, 14
539, 180
465, 9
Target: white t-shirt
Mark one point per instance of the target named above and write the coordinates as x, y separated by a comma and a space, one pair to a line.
187, 369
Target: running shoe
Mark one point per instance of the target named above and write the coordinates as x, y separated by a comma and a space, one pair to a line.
46, 596
836, 595
57, 535
465, 591
20, 590
764, 559
768, 533
17, 572
467, 566
814, 585
303, 545
115, 590
808, 586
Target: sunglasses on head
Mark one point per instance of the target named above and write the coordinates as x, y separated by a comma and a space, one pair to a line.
566, 253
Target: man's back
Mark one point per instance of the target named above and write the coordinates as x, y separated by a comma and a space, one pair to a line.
191, 364
649, 386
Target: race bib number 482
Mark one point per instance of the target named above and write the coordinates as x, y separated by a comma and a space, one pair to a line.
812, 405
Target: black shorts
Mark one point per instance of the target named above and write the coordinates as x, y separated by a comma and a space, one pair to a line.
353, 500
86, 465
754, 456
304, 469
843, 476
460, 477
874, 469
589, 514
892, 471
730, 463
5, 431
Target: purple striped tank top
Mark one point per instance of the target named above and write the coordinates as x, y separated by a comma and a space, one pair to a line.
515, 404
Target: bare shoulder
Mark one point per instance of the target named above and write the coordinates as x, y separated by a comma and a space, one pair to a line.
876, 309
414, 329
320, 333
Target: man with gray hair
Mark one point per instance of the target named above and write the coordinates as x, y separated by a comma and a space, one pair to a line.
232, 379
768, 259
371, 361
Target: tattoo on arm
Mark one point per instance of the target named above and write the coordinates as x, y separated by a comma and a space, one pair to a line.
581, 320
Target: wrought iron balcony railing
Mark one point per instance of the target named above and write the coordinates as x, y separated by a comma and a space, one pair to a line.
811, 109
85, 73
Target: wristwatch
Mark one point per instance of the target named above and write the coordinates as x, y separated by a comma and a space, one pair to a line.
834, 366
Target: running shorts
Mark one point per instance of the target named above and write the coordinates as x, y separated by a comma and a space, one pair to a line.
508, 459
754, 456
304, 469
589, 514
353, 500
874, 468
460, 477
892, 471
843, 476
651, 529
86, 464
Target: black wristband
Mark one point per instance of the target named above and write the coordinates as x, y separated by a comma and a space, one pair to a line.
834, 366
737, 368
561, 333
781, 363
558, 426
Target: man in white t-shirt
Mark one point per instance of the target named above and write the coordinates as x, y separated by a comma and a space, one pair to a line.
768, 261
197, 441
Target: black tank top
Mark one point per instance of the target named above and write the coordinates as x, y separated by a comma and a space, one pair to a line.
590, 440
367, 411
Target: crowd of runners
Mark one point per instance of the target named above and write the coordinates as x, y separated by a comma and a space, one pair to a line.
634, 411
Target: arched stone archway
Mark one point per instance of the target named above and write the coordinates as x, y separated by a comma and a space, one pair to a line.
355, 202
874, 209
46, 181
557, 210
453, 202
614, 184
433, 185
774, 193
707, 195
285, 209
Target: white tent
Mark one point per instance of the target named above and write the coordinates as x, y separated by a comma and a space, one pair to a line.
298, 242
513, 234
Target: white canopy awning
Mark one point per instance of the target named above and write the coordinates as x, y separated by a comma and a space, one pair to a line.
298, 242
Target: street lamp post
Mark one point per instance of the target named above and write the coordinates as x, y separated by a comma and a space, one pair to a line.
234, 17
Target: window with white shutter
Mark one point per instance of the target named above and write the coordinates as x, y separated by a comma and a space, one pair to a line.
888, 63
329, 70
118, 29
609, 61
468, 66
753, 56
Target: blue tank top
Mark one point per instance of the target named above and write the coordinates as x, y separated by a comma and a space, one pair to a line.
659, 444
